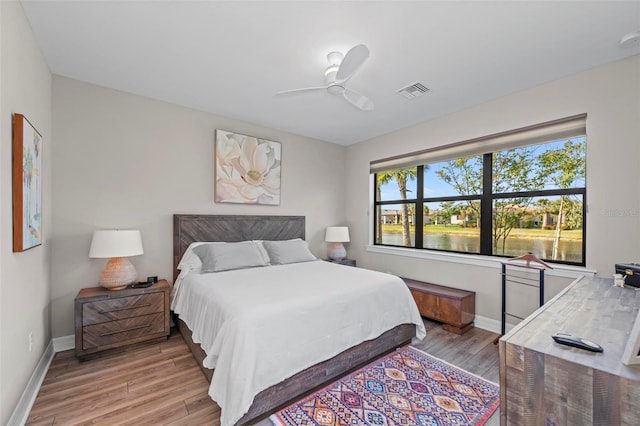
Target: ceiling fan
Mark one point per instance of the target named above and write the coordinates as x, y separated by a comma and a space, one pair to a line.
340, 70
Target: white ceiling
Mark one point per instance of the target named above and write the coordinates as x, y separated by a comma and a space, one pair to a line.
230, 58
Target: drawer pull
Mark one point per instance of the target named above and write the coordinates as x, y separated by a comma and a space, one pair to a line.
109, 333
126, 308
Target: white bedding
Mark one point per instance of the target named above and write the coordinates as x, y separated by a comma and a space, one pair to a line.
260, 326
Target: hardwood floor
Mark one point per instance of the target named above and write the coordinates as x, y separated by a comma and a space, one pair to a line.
473, 351
161, 384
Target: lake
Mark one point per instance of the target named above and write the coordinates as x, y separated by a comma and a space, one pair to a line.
568, 250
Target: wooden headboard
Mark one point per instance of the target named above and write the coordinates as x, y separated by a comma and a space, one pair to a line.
190, 228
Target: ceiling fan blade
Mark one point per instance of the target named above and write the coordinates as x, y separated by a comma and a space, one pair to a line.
358, 100
351, 62
304, 89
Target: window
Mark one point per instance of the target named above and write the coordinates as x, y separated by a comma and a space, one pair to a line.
527, 194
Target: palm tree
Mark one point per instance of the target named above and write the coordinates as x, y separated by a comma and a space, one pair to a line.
401, 176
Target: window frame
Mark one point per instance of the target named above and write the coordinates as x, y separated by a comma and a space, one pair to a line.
486, 209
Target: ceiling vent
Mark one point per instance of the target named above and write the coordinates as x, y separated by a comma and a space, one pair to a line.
413, 91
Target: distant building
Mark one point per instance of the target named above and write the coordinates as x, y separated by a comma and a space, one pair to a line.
530, 220
464, 220
394, 217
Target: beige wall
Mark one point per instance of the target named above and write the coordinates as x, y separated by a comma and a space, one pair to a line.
124, 161
24, 277
609, 94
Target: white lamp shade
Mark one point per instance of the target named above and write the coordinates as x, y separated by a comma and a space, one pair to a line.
116, 243
337, 234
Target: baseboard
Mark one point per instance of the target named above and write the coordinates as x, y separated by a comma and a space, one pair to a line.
64, 343
23, 408
491, 324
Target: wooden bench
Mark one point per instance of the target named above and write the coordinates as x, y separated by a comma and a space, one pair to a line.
453, 307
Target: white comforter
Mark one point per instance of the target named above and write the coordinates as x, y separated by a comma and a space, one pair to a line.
260, 326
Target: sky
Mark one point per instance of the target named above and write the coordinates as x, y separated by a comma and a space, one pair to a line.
435, 186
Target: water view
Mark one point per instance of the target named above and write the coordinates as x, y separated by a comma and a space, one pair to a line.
569, 250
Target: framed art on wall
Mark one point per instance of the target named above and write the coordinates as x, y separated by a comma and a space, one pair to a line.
27, 185
247, 169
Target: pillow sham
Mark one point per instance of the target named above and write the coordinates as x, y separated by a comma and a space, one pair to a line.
263, 251
191, 261
228, 256
288, 251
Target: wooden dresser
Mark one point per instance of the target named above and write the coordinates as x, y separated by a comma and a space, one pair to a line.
111, 320
545, 383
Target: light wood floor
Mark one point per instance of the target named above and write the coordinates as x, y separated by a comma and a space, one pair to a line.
161, 384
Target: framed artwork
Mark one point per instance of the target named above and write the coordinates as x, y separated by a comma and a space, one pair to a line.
27, 185
247, 169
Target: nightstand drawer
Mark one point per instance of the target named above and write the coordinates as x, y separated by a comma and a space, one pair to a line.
122, 308
106, 333
109, 321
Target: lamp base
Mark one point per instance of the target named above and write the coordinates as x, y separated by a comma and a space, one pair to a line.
336, 251
118, 274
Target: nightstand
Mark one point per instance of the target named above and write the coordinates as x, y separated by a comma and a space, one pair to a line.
347, 262
111, 320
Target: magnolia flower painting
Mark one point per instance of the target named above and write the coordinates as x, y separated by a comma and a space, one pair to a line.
247, 169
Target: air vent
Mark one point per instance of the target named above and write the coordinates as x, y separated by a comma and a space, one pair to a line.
413, 91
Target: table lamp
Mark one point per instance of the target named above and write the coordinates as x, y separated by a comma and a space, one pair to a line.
335, 236
116, 245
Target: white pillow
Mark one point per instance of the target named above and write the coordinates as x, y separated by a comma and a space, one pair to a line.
225, 257
288, 251
191, 261
263, 251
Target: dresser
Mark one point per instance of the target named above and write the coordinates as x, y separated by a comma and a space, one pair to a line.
113, 320
545, 383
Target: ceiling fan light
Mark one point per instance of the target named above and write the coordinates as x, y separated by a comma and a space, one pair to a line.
335, 58
331, 69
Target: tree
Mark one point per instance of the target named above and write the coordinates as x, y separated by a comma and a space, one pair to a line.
563, 167
401, 176
513, 171
447, 209
465, 176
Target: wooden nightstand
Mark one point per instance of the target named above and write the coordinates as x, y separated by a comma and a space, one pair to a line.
347, 262
110, 320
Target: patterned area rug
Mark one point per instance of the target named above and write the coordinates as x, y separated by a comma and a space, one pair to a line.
406, 387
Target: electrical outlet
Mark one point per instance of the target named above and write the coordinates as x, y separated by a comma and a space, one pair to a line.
30, 341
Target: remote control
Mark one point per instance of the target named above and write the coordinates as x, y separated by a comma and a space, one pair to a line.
576, 342
141, 284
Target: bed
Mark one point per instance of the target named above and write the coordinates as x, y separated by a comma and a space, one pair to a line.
258, 382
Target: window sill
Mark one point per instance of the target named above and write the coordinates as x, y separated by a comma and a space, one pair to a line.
559, 270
